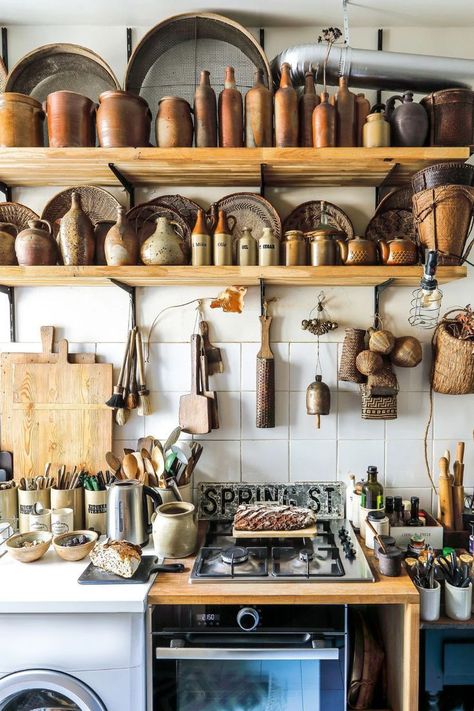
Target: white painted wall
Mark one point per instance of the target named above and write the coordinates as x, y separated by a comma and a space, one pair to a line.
96, 319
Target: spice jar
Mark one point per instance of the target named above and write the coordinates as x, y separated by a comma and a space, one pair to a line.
380, 522
293, 249
201, 247
246, 249
223, 240
268, 249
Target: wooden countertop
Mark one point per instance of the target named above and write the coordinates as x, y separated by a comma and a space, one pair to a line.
175, 589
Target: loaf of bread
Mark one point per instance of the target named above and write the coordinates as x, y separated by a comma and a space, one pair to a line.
119, 557
261, 517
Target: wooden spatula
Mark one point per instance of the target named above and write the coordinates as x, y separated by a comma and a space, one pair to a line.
194, 408
210, 394
213, 353
445, 495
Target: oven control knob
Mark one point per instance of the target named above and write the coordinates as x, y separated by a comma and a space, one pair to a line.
248, 619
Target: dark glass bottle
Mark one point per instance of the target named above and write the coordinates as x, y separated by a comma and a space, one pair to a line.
398, 511
372, 491
414, 519
389, 508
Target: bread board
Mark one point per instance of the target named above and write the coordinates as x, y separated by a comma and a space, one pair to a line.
96, 576
308, 532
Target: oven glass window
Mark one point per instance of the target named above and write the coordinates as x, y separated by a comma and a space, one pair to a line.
39, 699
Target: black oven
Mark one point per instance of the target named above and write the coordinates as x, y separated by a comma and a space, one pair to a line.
249, 658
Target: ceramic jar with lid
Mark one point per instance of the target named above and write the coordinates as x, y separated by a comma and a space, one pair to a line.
8, 233
358, 251
268, 249
123, 119
71, 120
121, 243
165, 246
174, 125
36, 246
21, 121
201, 243
246, 249
76, 235
294, 249
376, 131
222, 241
397, 251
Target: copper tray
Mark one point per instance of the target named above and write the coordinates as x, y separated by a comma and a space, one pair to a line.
307, 216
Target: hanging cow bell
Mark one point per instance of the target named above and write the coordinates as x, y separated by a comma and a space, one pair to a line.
318, 399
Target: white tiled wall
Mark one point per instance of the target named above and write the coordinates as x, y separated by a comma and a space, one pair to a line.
96, 319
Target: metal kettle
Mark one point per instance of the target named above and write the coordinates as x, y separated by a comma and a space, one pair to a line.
127, 513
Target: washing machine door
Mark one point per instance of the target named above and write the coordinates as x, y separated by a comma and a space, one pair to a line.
46, 690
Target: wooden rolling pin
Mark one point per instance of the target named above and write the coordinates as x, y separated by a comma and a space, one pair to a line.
265, 375
445, 495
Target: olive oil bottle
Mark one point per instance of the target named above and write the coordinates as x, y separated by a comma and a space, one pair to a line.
372, 491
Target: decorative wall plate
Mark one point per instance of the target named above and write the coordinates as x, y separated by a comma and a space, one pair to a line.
307, 216
250, 210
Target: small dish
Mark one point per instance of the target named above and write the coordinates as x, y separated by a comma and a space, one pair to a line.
28, 555
79, 552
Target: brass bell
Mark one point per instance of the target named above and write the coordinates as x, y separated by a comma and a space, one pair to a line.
318, 399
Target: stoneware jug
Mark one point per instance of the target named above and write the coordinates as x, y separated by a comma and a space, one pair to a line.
258, 114
175, 529
324, 123
121, 243
268, 249
76, 235
222, 240
123, 119
345, 102
205, 113
230, 110
100, 233
408, 122
36, 246
165, 246
376, 131
358, 251
8, 233
246, 249
201, 242
397, 251
307, 103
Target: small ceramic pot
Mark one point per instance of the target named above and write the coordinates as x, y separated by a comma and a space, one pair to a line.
175, 530
71, 120
21, 121
430, 602
8, 233
458, 601
174, 125
123, 119
36, 246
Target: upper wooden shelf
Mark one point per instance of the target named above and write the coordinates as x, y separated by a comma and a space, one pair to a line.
221, 276
220, 166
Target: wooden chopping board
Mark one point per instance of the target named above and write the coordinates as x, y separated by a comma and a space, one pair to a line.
53, 410
309, 532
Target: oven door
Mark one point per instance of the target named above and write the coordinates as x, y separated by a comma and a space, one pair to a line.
240, 678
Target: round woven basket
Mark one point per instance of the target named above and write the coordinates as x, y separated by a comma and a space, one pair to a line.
453, 365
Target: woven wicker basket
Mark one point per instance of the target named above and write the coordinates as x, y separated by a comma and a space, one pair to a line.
352, 346
383, 382
383, 407
453, 363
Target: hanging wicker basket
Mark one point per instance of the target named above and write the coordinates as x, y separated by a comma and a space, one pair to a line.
354, 343
453, 362
377, 407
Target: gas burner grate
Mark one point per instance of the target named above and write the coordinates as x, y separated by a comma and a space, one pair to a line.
320, 562
235, 555
212, 563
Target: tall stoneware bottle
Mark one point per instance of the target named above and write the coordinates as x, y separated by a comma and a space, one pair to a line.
286, 111
201, 243
76, 235
223, 241
121, 243
230, 113
307, 103
205, 113
258, 114
362, 110
345, 115
324, 123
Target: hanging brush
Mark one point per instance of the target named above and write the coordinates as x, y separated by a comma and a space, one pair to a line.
117, 400
144, 404
122, 413
132, 397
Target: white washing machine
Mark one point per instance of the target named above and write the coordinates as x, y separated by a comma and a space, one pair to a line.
76, 662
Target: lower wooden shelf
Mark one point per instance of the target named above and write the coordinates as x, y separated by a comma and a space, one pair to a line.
225, 276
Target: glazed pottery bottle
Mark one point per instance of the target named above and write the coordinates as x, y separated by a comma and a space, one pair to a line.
286, 111
165, 246
8, 233
100, 233
231, 128
36, 246
324, 123
174, 125
246, 249
345, 115
307, 103
408, 122
268, 249
362, 110
223, 240
201, 243
121, 243
258, 114
376, 133
76, 235
205, 113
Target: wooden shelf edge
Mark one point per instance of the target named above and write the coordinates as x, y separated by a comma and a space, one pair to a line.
221, 276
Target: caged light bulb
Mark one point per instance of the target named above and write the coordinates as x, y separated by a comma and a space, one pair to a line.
431, 299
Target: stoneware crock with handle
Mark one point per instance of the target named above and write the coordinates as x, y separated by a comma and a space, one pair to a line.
35, 246
165, 246
175, 529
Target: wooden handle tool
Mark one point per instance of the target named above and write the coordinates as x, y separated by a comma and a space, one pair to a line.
265, 378
210, 394
144, 404
194, 416
445, 495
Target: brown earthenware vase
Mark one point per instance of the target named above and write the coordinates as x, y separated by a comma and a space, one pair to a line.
36, 246
286, 111
174, 125
205, 113
307, 103
258, 114
76, 235
121, 243
230, 109
123, 119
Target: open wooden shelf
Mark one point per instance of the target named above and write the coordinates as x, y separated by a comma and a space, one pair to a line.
224, 276
220, 166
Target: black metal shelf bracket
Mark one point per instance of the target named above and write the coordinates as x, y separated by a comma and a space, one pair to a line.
132, 292
129, 187
6, 190
262, 179
10, 292
378, 290
262, 296
129, 43
5, 47
261, 38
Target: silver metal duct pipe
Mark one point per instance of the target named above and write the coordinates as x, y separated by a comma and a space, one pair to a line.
372, 69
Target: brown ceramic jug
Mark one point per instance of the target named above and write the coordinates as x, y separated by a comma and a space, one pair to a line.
71, 120
231, 127
21, 121
408, 122
100, 233
8, 233
123, 119
307, 103
286, 111
174, 125
358, 251
324, 123
398, 251
121, 243
165, 246
222, 240
362, 110
76, 235
258, 114
205, 113
201, 243
36, 246
345, 115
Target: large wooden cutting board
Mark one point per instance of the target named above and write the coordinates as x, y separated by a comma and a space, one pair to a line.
55, 412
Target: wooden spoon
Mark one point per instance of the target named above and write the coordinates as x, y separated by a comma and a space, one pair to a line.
130, 466
172, 439
145, 443
140, 464
158, 460
113, 461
